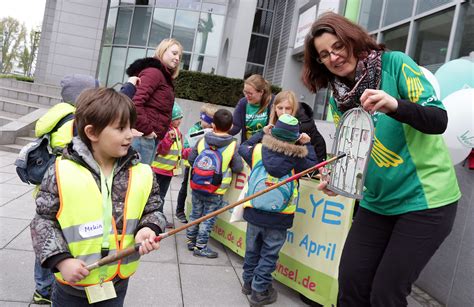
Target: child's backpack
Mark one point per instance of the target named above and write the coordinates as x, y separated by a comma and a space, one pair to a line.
36, 157
275, 200
206, 175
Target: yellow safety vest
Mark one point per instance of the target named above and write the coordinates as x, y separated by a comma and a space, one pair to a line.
226, 171
171, 160
80, 218
291, 207
63, 136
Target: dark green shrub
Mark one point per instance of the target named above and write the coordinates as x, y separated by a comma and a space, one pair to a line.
215, 89
19, 78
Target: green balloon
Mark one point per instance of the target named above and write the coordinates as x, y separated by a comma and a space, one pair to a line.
455, 75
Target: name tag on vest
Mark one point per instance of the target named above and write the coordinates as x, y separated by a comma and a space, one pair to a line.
91, 229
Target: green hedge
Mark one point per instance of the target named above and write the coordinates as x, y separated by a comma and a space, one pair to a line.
19, 78
215, 89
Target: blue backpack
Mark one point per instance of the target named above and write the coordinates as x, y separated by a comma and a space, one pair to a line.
206, 175
275, 200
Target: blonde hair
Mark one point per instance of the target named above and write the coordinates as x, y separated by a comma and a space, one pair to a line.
209, 109
261, 85
165, 45
279, 98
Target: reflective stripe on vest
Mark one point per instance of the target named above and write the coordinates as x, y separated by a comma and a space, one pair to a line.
80, 217
227, 155
169, 161
291, 207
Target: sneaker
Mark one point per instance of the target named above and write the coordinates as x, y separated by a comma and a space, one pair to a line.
40, 300
266, 297
181, 217
205, 252
247, 288
191, 244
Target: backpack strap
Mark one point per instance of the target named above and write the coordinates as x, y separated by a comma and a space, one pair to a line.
61, 122
257, 151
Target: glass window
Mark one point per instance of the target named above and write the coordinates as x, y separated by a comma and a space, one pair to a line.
432, 38
150, 53
190, 4
161, 26
257, 49
142, 2
397, 10
185, 61
207, 64
184, 27
133, 54
104, 64
213, 8
426, 5
117, 63
166, 3
209, 34
370, 14
125, 2
140, 26
110, 26
263, 22
466, 24
251, 69
114, 3
123, 25
396, 38
266, 4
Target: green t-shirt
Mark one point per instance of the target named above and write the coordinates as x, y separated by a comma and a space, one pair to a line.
408, 170
254, 122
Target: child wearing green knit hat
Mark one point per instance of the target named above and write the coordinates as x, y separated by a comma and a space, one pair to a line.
169, 155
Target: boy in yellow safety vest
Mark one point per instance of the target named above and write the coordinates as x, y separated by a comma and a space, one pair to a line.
169, 155
95, 200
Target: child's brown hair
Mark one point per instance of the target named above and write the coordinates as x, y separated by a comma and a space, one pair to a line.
101, 107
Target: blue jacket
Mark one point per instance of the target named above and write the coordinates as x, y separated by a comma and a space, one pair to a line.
238, 123
278, 158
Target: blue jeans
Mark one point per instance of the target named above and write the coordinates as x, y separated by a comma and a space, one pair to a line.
146, 147
202, 205
44, 279
164, 184
261, 254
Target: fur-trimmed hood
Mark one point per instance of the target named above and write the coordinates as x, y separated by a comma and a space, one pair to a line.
288, 149
140, 64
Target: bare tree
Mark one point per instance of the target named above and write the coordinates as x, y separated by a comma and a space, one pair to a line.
27, 57
13, 35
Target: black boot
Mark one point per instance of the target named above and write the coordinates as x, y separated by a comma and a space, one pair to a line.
266, 297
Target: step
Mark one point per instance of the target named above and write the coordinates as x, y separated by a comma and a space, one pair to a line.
41, 89
29, 96
7, 117
11, 148
19, 107
23, 140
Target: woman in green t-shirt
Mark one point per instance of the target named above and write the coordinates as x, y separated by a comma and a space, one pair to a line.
253, 110
411, 192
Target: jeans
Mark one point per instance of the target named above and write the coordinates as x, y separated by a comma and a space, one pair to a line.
183, 191
146, 147
164, 184
203, 205
261, 254
44, 279
384, 255
61, 298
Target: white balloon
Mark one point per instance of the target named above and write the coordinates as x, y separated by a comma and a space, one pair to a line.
459, 135
432, 79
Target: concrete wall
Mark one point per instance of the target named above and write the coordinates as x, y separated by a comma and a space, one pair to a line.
72, 34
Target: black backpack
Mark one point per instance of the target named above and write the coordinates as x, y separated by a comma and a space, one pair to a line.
37, 156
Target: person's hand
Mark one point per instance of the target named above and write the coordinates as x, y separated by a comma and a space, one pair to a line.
136, 133
72, 270
134, 80
268, 129
146, 237
304, 138
152, 135
378, 101
322, 186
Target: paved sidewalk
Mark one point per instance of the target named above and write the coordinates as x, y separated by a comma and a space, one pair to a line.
171, 276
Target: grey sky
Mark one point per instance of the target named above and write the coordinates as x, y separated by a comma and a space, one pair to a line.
29, 12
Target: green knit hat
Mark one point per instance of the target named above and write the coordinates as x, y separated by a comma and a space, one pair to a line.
286, 129
177, 112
